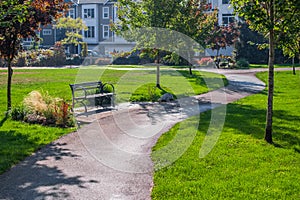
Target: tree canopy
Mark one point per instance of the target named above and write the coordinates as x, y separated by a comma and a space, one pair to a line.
222, 36
143, 22
185, 16
21, 19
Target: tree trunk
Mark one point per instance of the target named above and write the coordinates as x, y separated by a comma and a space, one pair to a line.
190, 70
217, 59
293, 64
269, 120
158, 76
9, 79
189, 62
158, 70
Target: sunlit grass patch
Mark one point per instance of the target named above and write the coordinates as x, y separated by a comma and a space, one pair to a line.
241, 165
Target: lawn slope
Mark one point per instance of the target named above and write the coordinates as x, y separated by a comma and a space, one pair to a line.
241, 165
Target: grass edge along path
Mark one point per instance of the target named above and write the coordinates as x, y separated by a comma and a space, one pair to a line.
19, 140
241, 165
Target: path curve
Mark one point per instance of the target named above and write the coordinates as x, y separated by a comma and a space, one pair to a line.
75, 166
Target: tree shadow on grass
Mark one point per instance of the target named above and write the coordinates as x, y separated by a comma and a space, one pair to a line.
3, 120
251, 121
33, 179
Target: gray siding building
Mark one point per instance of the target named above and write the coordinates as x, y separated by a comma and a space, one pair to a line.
97, 15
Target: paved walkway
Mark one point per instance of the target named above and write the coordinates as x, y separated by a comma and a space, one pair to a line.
110, 157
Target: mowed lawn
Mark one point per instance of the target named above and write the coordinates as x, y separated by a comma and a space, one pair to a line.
18, 140
241, 165
276, 65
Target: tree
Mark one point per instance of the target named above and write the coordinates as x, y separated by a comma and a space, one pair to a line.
222, 36
73, 28
185, 16
292, 49
251, 43
20, 19
274, 19
290, 43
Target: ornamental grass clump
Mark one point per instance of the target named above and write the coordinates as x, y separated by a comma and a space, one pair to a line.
35, 102
41, 108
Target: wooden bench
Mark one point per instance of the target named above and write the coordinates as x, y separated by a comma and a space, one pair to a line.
93, 94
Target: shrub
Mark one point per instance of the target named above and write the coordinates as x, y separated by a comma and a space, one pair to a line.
206, 61
153, 95
242, 63
59, 54
41, 57
120, 61
133, 60
34, 118
20, 60
18, 113
149, 92
171, 59
62, 115
41, 108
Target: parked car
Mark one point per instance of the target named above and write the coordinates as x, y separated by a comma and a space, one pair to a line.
93, 53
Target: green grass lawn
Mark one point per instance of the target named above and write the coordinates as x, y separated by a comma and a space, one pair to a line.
241, 165
276, 65
18, 140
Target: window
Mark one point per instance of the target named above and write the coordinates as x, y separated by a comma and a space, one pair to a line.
89, 13
225, 1
105, 31
105, 12
227, 18
71, 13
27, 42
47, 32
29, 39
90, 33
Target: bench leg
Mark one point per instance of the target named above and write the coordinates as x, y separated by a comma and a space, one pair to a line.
112, 101
85, 107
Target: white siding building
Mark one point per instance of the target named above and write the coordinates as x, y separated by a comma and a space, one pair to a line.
97, 15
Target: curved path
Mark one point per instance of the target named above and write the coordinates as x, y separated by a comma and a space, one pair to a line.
110, 157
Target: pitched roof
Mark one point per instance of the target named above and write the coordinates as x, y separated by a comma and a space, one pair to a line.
92, 1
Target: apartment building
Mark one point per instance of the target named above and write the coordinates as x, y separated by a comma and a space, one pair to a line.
98, 14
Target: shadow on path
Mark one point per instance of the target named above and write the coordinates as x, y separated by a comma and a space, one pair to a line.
31, 179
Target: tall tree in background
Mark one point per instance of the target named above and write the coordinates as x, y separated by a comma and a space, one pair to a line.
73, 28
274, 19
20, 19
291, 48
290, 42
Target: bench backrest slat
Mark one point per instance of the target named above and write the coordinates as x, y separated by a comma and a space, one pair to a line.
87, 85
